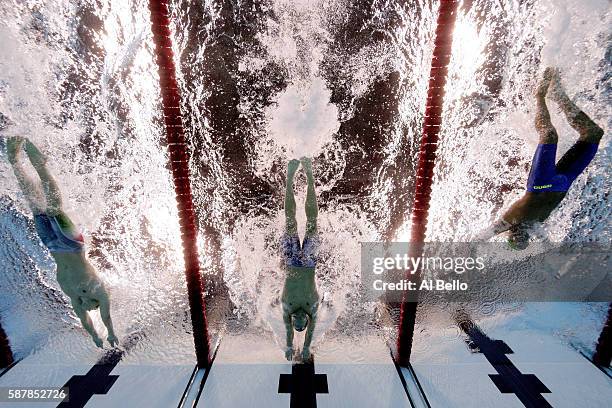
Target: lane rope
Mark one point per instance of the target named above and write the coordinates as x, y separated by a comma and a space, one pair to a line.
179, 162
6, 354
603, 350
432, 122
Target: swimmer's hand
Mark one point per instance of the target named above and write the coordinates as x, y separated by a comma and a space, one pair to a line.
306, 356
112, 339
98, 341
289, 353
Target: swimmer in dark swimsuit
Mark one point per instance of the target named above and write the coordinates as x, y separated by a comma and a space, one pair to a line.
300, 299
548, 182
75, 275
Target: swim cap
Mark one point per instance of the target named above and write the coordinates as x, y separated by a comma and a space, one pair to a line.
300, 320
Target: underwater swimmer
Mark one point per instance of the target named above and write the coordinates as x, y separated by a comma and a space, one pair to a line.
548, 182
300, 299
75, 275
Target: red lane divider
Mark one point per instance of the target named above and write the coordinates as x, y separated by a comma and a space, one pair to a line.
6, 354
603, 350
427, 160
179, 162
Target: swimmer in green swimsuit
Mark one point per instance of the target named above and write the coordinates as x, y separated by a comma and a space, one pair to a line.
75, 275
300, 299
548, 181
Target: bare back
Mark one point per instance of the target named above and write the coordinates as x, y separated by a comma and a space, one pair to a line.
300, 290
77, 277
533, 207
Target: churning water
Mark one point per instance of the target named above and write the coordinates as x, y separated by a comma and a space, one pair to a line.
264, 81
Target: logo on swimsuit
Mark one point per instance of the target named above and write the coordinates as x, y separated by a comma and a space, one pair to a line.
542, 187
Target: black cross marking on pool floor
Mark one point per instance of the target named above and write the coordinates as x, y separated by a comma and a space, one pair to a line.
303, 384
98, 379
527, 387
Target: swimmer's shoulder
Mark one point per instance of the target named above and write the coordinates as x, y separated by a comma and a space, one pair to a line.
309, 304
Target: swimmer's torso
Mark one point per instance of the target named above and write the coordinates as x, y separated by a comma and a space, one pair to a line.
75, 275
78, 279
300, 290
533, 207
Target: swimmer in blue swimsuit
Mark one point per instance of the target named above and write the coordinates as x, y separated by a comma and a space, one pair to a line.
75, 275
548, 182
300, 299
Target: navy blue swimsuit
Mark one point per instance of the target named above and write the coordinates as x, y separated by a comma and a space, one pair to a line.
304, 257
546, 176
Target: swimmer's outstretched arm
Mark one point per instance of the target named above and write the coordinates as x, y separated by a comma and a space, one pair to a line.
289, 330
308, 338
104, 301
86, 322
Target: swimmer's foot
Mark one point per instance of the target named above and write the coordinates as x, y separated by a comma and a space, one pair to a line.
542, 88
558, 94
292, 166
289, 353
36, 157
556, 89
307, 165
555, 75
13, 148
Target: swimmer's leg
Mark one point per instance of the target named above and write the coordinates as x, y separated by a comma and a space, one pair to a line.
312, 209
589, 131
543, 124
30, 189
49, 185
290, 221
